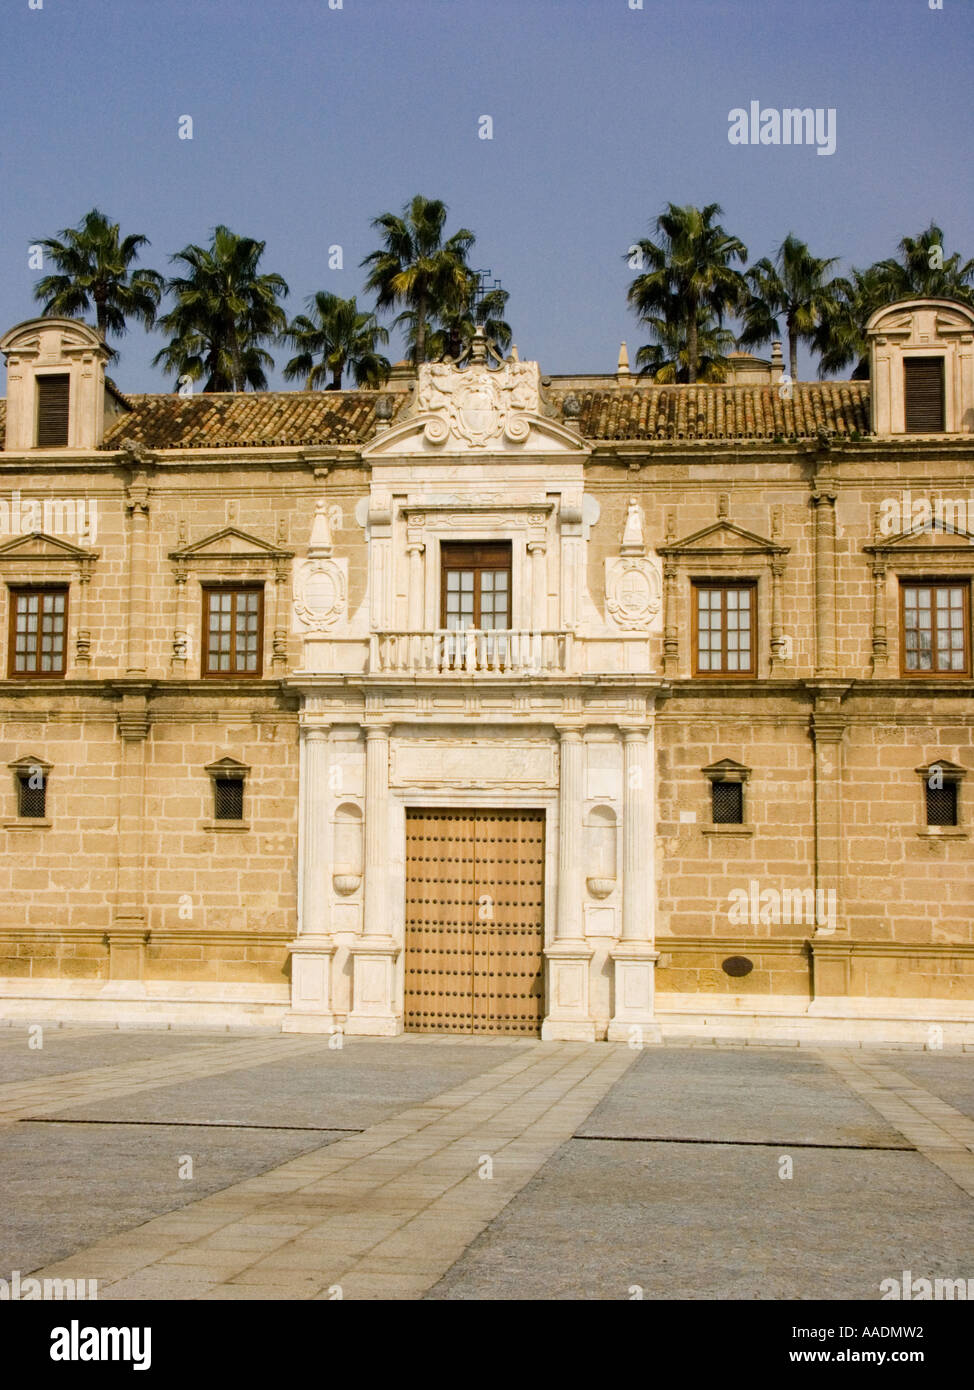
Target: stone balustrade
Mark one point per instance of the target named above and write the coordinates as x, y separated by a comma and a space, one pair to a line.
508, 651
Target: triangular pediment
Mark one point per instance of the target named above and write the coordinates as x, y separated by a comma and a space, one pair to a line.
924, 538
721, 538
227, 767
37, 545
230, 544
727, 770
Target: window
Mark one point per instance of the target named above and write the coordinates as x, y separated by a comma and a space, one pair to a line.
38, 623
233, 625
923, 388
53, 402
476, 593
941, 804
724, 628
32, 794
728, 803
228, 798
935, 628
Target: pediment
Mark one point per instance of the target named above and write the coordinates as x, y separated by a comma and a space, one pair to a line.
727, 770
51, 335
230, 544
723, 538
924, 539
227, 767
36, 545
950, 316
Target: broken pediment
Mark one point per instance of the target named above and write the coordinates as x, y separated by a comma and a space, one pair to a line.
723, 538
473, 407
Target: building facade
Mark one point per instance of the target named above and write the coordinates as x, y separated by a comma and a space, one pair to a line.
490, 702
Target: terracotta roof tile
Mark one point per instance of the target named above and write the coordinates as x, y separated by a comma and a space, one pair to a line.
721, 412
309, 418
249, 419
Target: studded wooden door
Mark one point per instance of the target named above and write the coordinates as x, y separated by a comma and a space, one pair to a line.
474, 921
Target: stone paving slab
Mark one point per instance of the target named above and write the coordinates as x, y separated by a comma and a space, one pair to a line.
742, 1094
945, 1075
712, 1221
352, 1087
66, 1050
442, 1195
66, 1185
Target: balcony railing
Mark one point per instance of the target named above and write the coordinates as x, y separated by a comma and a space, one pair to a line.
501, 652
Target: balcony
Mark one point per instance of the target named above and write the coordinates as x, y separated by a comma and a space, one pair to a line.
501, 652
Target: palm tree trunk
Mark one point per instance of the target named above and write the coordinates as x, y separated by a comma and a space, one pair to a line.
792, 352
692, 346
420, 330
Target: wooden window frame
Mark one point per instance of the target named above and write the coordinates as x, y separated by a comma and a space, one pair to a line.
233, 673
477, 556
935, 582
15, 592
696, 584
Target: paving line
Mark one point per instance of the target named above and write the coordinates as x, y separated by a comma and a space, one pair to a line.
382, 1214
51, 1094
942, 1134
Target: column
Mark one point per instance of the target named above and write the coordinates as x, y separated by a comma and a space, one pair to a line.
829, 969
823, 499
279, 641
374, 1002
127, 935
313, 950
777, 636
82, 650
569, 956
137, 506
880, 645
671, 641
539, 617
634, 957
180, 636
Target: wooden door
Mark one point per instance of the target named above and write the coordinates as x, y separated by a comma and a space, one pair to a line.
474, 922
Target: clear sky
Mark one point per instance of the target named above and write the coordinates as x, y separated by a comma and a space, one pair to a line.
308, 121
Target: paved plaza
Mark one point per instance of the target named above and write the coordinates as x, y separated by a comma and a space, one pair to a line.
255, 1166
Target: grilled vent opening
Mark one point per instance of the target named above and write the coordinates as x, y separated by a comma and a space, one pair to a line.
728, 803
53, 401
228, 798
31, 798
942, 804
923, 381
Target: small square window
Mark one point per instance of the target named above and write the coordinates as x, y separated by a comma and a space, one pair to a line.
728, 803
228, 798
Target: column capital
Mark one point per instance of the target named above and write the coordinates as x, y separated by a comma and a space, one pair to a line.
315, 733
376, 731
634, 733
569, 733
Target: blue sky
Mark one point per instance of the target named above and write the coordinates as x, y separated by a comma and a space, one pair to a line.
308, 121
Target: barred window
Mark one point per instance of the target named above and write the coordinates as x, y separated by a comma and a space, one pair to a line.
723, 628
228, 798
32, 795
728, 803
942, 804
232, 622
935, 628
38, 624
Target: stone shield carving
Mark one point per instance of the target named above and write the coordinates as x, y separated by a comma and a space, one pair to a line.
478, 405
321, 593
632, 592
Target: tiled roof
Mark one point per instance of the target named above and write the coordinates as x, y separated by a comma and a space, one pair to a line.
722, 412
307, 418
249, 419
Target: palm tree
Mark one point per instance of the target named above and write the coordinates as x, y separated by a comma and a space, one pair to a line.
667, 359
841, 335
792, 289
453, 328
96, 269
342, 337
923, 273
224, 311
690, 269
416, 268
